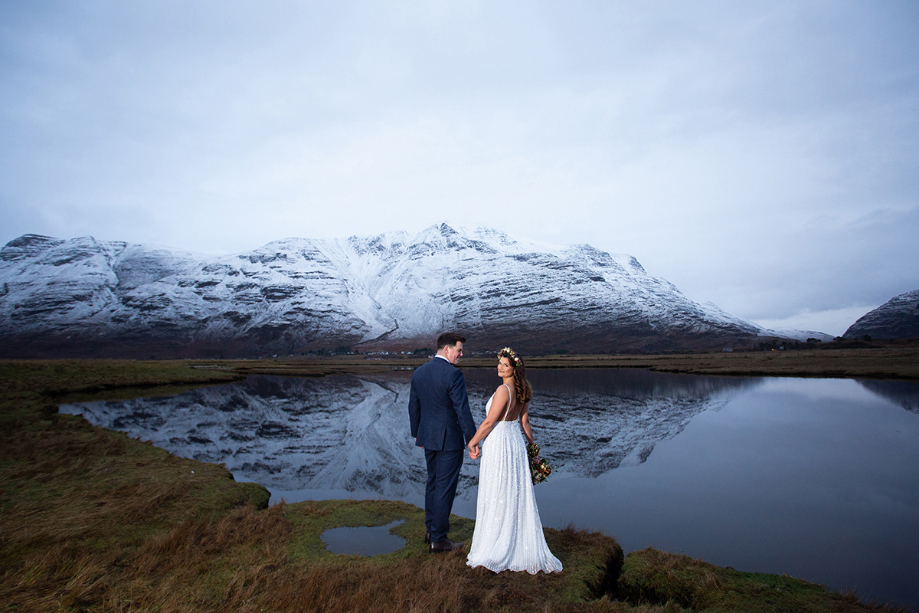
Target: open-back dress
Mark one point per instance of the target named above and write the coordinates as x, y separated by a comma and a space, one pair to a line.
508, 532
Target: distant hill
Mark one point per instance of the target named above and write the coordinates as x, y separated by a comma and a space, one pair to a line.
896, 318
84, 297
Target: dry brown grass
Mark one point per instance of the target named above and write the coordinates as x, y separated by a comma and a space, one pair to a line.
895, 361
656, 577
207, 564
241, 562
882, 360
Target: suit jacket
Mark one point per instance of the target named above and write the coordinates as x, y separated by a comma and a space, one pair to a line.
438, 407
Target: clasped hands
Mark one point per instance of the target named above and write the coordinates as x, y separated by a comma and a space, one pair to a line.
474, 452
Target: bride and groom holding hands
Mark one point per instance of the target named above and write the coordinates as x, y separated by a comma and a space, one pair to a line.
508, 532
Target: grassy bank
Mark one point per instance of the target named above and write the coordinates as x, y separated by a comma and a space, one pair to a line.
91, 520
881, 362
890, 361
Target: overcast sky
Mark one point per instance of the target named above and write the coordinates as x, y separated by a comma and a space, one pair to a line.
763, 156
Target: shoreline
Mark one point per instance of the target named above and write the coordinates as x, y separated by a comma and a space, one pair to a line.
134, 527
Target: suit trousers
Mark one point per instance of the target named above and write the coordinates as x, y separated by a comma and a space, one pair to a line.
443, 477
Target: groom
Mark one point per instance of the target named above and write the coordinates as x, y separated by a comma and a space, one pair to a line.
438, 410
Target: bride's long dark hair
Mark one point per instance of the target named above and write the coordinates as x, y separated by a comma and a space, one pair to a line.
522, 389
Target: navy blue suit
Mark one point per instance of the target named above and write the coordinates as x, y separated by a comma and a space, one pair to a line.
438, 409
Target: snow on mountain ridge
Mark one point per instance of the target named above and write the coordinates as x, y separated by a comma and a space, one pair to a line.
300, 294
897, 318
798, 335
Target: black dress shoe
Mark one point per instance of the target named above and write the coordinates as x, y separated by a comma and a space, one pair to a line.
445, 545
427, 537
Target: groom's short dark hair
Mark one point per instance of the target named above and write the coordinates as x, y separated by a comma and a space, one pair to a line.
449, 338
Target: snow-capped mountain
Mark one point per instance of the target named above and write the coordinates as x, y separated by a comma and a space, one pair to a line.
896, 318
798, 335
393, 291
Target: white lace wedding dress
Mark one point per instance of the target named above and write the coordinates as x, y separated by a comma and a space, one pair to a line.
508, 532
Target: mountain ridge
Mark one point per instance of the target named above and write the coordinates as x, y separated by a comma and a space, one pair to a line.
396, 291
898, 318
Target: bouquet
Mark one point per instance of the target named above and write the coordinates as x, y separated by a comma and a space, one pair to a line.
539, 467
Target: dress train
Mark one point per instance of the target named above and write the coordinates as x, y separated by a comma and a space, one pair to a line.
508, 532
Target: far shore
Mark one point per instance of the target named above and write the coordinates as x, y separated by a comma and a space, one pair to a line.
889, 361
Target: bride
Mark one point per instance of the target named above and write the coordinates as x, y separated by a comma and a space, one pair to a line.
508, 533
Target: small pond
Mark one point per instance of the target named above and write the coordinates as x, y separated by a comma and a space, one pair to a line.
364, 541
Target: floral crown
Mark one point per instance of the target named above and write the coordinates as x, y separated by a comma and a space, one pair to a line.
510, 354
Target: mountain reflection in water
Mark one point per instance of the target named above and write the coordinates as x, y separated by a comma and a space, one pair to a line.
901, 393
351, 432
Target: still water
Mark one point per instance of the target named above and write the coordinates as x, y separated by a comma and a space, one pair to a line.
816, 478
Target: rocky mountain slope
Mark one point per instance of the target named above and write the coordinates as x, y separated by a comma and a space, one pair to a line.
896, 318
83, 297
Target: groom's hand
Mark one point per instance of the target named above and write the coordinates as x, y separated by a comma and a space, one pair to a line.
474, 452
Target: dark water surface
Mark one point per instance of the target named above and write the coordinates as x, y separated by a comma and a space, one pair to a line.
371, 541
816, 478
